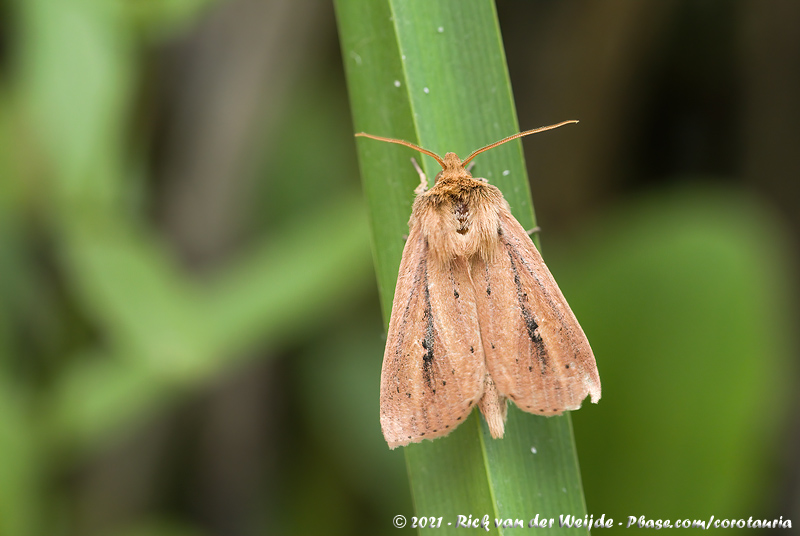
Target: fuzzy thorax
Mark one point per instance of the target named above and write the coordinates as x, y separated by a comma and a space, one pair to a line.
459, 215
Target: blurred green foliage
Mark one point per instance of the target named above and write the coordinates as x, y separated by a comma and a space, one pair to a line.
146, 392
148, 331
683, 293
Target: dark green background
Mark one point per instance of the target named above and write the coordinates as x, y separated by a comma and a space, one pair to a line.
190, 335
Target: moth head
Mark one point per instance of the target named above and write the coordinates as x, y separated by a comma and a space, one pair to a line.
453, 168
452, 165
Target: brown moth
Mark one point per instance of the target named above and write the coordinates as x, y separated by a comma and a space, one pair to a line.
477, 318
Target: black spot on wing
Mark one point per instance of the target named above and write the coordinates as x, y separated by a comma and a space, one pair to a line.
456, 295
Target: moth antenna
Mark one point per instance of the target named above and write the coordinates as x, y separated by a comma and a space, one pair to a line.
514, 137
408, 144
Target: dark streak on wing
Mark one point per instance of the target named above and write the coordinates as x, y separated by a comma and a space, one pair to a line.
530, 321
428, 341
545, 292
427, 344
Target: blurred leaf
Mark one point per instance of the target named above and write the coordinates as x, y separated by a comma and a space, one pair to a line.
170, 335
683, 297
160, 527
20, 466
434, 73
163, 333
296, 280
340, 403
161, 18
135, 292
77, 95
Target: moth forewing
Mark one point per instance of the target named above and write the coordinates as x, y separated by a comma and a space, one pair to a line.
536, 352
433, 365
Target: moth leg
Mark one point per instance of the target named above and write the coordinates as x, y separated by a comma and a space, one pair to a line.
423, 180
534, 231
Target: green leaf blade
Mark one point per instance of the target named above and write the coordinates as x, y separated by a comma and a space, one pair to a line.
446, 60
